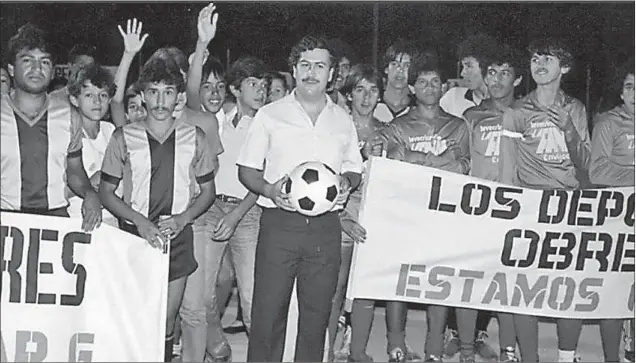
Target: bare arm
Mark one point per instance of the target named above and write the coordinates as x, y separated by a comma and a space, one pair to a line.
206, 28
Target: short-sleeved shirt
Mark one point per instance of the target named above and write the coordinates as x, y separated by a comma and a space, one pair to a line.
158, 174
612, 161
207, 122
414, 133
485, 124
541, 159
232, 137
34, 154
282, 136
92, 157
458, 99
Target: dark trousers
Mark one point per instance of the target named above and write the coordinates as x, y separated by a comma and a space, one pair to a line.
292, 247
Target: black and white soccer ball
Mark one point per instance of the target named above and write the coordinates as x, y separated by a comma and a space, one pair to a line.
313, 188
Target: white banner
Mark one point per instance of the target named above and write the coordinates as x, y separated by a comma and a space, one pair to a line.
69, 296
435, 237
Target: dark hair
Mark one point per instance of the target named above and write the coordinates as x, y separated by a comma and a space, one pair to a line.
358, 73
97, 75
505, 55
158, 70
132, 91
310, 42
400, 46
271, 76
81, 49
243, 68
173, 53
342, 49
212, 66
614, 86
27, 37
425, 64
555, 47
479, 46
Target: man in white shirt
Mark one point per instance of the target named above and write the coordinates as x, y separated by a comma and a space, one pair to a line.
304, 126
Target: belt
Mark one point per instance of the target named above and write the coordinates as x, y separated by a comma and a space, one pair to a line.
228, 199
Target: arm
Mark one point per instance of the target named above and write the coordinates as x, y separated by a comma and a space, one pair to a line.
577, 139
206, 27
603, 170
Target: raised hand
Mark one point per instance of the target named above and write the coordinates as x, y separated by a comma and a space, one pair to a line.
132, 40
206, 25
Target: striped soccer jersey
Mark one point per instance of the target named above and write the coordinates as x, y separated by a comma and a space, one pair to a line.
34, 155
541, 160
612, 161
158, 174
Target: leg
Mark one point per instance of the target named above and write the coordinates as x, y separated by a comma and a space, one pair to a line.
481, 347
507, 337
175, 295
396, 312
436, 321
274, 273
361, 323
466, 320
527, 329
341, 289
629, 341
451, 343
611, 330
225, 282
243, 255
317, 279
568, 333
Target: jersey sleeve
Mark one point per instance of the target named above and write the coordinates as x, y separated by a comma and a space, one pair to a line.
603, 170
75, 144
205, 161
114, 158
256, 144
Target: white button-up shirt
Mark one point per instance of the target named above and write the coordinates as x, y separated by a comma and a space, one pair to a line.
282, 137
232, 138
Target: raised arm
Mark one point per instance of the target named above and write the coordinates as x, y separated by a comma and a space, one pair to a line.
132, 45
206, 27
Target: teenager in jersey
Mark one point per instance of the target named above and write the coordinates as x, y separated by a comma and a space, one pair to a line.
41, 138
552, 152
612, 165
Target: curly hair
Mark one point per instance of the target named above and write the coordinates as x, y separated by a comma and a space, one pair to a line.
271, 76
361, 72
424, 64
96, 75
614, 86
506, 55
310, 42
164, 70
173, 53
552, 46
479, 46
28, 37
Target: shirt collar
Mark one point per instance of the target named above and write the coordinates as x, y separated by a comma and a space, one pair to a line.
291, 98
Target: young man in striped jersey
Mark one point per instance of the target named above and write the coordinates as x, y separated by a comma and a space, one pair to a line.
41, 138
163, 159
501, 75
551, 152
612, 165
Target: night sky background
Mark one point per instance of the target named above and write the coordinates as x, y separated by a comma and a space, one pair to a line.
601, 34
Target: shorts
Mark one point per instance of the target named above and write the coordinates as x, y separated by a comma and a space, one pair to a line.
182, 261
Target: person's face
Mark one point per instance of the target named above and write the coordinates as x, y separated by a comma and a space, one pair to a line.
546, 69
364, 97
161, 100
428, 88
627, 95
5, 81
92, 102
471, 73
136, 110
32, 71
313, 71
397, 72
81, 61
344, 67
252, 92
212, 93
277, 90
501, 80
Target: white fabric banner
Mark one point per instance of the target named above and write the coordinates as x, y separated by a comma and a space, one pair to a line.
435, 237
69, 296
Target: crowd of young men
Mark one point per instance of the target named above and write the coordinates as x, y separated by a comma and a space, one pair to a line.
195, 156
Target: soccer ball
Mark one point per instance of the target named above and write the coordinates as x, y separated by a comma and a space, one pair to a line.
313, 188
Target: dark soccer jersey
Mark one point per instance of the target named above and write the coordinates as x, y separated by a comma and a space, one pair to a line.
612, 162
158, 175
541, 160
485, 123
413, 133
34, 153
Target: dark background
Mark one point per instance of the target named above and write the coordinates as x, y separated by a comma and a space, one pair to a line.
601, 34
